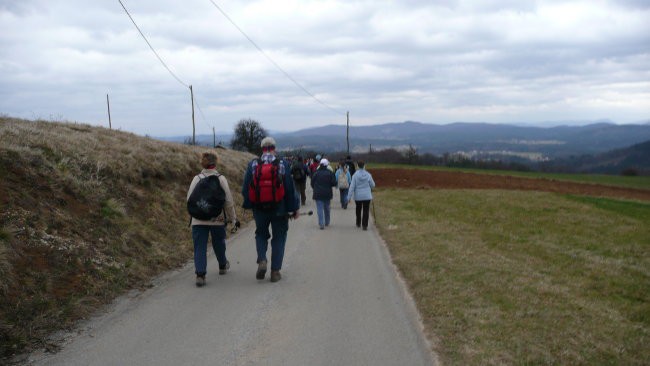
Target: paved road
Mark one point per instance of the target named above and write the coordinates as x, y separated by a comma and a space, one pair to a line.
339, 303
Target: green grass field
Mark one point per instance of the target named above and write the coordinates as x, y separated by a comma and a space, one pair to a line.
610, 180
510, 277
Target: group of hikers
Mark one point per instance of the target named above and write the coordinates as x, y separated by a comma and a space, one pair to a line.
323, 178
274, 189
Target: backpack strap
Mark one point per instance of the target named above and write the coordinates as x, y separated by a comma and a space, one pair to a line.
276, 163
274, 178
225, 217
258, 173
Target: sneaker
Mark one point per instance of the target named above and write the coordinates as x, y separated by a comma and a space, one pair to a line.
200, 281
222, 271
365, 228
261, 270
322, 227
275, 276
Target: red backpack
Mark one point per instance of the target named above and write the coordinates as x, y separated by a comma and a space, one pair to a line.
266, 188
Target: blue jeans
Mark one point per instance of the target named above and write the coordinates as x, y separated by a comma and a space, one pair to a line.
280, 226
323, 210
344, 196
200, 236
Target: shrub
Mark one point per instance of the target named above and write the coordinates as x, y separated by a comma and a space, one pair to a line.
112, 208
630, 172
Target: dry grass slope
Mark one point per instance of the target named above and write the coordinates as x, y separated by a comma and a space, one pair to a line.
87, 213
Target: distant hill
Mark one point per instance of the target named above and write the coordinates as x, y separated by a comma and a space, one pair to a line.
484, 140
633, 159
484, 137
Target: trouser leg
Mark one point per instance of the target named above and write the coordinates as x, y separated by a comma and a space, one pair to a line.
303, 194
262, 234
200, 239
366, 213
326, 211
218, 234
358, 206
280, 226
320, 210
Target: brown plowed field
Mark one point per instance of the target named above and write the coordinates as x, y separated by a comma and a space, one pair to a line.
423, 179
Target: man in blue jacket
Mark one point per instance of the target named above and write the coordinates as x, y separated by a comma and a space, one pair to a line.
277, 216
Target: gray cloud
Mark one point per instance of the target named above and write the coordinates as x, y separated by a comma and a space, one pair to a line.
384, 61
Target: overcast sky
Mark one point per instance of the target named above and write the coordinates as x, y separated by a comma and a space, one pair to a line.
444, 61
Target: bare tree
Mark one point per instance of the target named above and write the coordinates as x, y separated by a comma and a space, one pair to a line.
248, 136
412, 155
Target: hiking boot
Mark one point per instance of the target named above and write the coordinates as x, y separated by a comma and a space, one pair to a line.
275, 276
261, 270
200, 281
224, 269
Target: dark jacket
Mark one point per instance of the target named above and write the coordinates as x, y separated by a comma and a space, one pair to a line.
350, 165
290, 203
304, 169
322, 182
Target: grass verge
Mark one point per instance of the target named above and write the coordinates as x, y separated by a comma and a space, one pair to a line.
505, 277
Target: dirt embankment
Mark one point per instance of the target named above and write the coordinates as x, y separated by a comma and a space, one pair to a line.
424, 179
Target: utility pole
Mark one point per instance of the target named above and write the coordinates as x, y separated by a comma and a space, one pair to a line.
193, 126
108, 104
214, 138
347, 135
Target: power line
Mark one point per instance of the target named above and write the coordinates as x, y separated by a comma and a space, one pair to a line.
273, 62
163, 63
152, 49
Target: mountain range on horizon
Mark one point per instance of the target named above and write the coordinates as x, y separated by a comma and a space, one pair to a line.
480, 138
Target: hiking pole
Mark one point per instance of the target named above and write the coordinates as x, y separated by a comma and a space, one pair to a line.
301, 214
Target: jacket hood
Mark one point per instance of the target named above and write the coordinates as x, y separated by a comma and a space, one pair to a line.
364, 176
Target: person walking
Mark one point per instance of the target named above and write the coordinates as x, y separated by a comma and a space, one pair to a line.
322, 182
343, 180
314, 165
350, 164
214, 227
299, 172
269, 191
361, 189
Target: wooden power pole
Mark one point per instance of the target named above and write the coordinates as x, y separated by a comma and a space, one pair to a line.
108, 104
347, 135
193, 126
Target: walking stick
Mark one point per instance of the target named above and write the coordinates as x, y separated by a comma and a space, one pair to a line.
374, 214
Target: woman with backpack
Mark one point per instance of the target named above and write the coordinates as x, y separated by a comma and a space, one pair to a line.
361, 189
322, 182
210, 199
343, 180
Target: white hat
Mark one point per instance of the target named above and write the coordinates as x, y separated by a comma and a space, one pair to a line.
324, 162
267, 141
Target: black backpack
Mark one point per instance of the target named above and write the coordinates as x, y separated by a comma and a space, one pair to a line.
207, 199
298, 171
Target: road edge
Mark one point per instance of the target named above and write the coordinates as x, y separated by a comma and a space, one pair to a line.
412, 312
